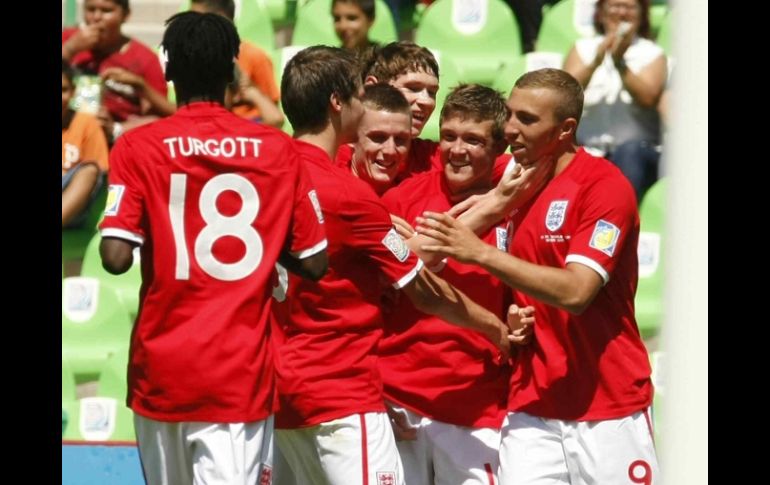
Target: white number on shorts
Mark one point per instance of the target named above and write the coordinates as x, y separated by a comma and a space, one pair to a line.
646, 472
217, 226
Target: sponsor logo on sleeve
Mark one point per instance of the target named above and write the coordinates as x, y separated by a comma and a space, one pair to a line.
114, 196
554, 218
396, 245
605, 237
316, 205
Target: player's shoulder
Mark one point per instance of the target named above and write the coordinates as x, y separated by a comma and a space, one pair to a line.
601, 179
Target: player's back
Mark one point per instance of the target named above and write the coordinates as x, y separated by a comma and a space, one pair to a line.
212, 197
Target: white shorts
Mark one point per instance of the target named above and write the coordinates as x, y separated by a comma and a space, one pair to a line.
354, 450
205, 453
448, 454
537, 451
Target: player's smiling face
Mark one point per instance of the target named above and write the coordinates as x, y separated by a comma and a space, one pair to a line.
419, 88
532, 130
468, 152
382, 147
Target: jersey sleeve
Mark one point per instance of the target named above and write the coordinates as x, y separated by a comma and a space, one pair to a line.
607, 217
125, 205
373, 233
308, 236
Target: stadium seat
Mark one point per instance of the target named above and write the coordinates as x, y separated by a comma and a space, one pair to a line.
94, 326
448, 80
649, 293
280, 57
480, 36
564, 23
252, 21
528, 62
69, 404
315, 24
664, 34
75, 240
126, 285
282, 13
112, 385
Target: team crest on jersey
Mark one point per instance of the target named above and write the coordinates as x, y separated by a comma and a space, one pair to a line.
502, 238
605, 237
114, 196
554, 218
386, 478
266, 475
396, 245
316, 205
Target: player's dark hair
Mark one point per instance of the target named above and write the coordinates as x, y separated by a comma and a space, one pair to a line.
366, 6
201, 48
309, 80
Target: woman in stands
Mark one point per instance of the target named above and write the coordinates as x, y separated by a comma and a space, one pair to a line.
134, 89
623, 74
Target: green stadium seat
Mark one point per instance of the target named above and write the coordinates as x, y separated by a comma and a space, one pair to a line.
94, 326
664, 34
523, 64
112, 385
649, 293
449, 79
280, 57
564, 23
126, 285
252, 21
282, 13
70, 408
481, 37
315, 24
657, 17
75, 240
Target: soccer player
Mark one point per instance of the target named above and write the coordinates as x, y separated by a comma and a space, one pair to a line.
450, 383
580, 394
332, 427
383, 137
213, 200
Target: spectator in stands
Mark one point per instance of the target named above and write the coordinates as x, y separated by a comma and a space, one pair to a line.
352, 21
529, 16
623, 74
83, 154
134, 90
258, 94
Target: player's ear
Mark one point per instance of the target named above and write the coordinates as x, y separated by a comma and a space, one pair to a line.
335, 102
370, 80
567, 129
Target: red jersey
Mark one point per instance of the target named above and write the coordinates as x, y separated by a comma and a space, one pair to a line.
213, 199
592, 366
120, 99
437, 369
326, 361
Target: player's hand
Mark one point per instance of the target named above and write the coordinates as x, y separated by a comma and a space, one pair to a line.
453, 239
122, 80
85, 38
521, 322
402, 430
522, 183
403, 228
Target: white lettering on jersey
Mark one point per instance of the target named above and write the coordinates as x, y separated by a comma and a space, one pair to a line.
228, 147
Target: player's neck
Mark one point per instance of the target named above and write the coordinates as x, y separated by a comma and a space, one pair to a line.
326, 140
564, 159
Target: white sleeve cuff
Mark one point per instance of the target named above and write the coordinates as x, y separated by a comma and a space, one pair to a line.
306, 253
409, 276
122, 234
577, 258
